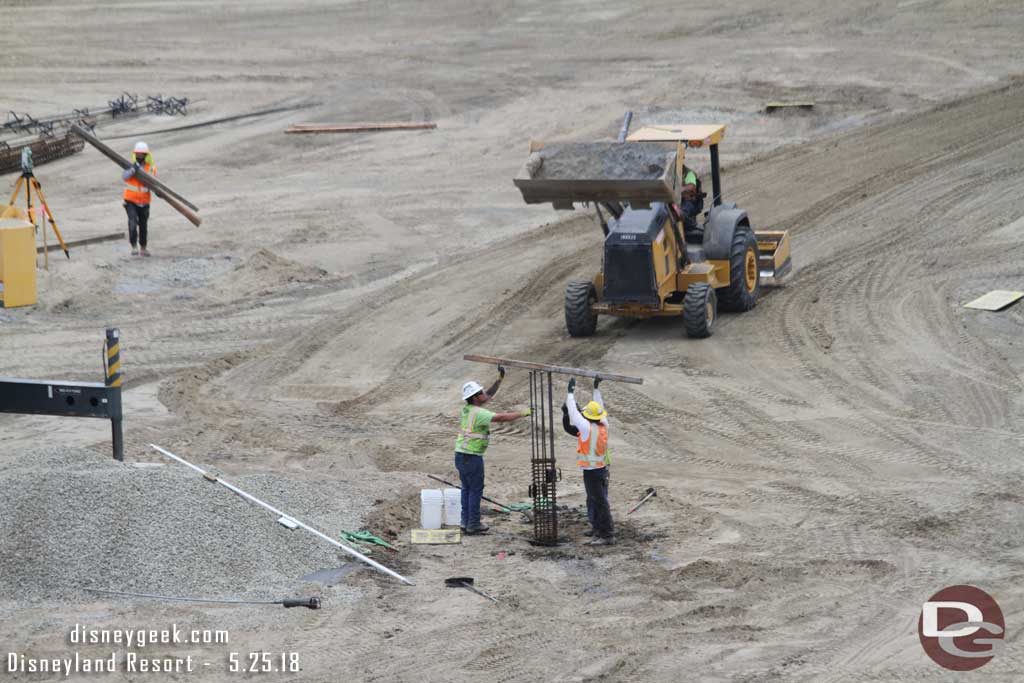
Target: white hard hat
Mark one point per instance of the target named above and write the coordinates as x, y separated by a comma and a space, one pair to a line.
470, 389
141, 146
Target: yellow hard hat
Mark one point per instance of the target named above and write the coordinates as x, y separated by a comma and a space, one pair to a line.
593, 411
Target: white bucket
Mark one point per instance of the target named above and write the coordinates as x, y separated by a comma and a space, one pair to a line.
431, 508
453, 507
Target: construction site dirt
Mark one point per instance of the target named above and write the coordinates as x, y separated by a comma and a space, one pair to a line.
824, 464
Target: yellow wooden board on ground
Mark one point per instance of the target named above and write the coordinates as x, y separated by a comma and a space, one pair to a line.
436, 536
995, 300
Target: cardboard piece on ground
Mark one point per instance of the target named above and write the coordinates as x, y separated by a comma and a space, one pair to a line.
435, 536
331, 577
995, 300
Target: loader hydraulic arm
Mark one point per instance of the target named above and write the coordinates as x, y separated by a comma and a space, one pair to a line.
676, 219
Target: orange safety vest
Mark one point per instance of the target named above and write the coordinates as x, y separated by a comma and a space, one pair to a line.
134, 191
593, 452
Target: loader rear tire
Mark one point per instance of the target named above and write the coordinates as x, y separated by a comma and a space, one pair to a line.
744, 273
700, 310
580, 319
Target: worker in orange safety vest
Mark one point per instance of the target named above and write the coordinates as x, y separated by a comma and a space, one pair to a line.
591, 428
137, 197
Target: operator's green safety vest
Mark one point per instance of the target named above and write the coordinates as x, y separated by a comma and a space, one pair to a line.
690, 178
476, 430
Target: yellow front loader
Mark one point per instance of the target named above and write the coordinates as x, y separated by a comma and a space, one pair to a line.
655, 263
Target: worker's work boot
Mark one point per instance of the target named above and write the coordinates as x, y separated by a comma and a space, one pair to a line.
477, 530
144, 251
601, 540
135, 251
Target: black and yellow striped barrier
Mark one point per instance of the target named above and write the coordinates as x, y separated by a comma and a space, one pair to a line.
112, 365
112, 357
73, 399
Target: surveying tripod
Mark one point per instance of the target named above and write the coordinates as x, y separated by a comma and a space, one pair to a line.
31, 183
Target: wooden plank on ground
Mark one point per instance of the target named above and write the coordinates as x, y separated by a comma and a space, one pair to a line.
435, 536
356, 127
995, 300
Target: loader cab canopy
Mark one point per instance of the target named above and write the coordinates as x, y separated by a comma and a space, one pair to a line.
694, 135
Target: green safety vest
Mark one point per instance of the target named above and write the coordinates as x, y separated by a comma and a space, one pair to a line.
476, 430
690, 178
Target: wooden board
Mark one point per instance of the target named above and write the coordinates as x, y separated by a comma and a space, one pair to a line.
435, 536
356, 127
773, 106
995, 300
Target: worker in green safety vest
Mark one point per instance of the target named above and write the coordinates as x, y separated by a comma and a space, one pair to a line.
471, 444
692, 202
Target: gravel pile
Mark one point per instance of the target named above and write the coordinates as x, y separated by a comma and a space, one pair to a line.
602, 161
72, 518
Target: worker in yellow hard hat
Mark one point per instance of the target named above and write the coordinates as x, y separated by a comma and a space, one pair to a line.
591, 428
136, 198
471, 444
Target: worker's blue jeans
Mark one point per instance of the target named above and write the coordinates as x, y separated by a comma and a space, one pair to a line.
599, 512
471, 475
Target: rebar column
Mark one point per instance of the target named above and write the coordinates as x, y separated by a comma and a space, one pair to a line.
544, 474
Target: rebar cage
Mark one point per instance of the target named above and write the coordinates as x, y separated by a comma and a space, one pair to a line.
545, 474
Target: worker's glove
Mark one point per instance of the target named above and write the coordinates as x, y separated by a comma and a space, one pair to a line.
501, 372
572, 384
597, 381
526, 412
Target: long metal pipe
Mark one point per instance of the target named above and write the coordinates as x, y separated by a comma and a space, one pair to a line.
234, 489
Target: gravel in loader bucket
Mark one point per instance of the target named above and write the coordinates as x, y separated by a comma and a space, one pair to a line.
563, 173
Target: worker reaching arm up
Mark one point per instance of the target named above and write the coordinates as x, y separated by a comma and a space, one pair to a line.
471, 444
592, 457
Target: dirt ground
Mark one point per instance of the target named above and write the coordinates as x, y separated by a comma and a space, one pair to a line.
824, 464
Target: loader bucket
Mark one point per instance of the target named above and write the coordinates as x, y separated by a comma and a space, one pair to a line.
775, 261
634, 172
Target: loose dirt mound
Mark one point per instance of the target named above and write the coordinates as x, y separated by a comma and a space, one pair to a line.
72, 519
264, 270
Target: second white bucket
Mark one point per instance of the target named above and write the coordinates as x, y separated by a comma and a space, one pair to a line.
453, 507
431, 508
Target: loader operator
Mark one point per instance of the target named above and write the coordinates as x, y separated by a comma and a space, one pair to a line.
471, 445
692, 202
592, 435
136, 198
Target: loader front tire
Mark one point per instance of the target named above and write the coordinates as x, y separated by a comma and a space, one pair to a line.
700, 310
744, 273
580, 319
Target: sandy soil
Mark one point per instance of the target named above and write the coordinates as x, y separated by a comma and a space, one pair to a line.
824, 464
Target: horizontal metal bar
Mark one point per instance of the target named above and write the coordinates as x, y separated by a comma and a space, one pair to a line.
70, 399
579, 372
110, 237
44, 382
